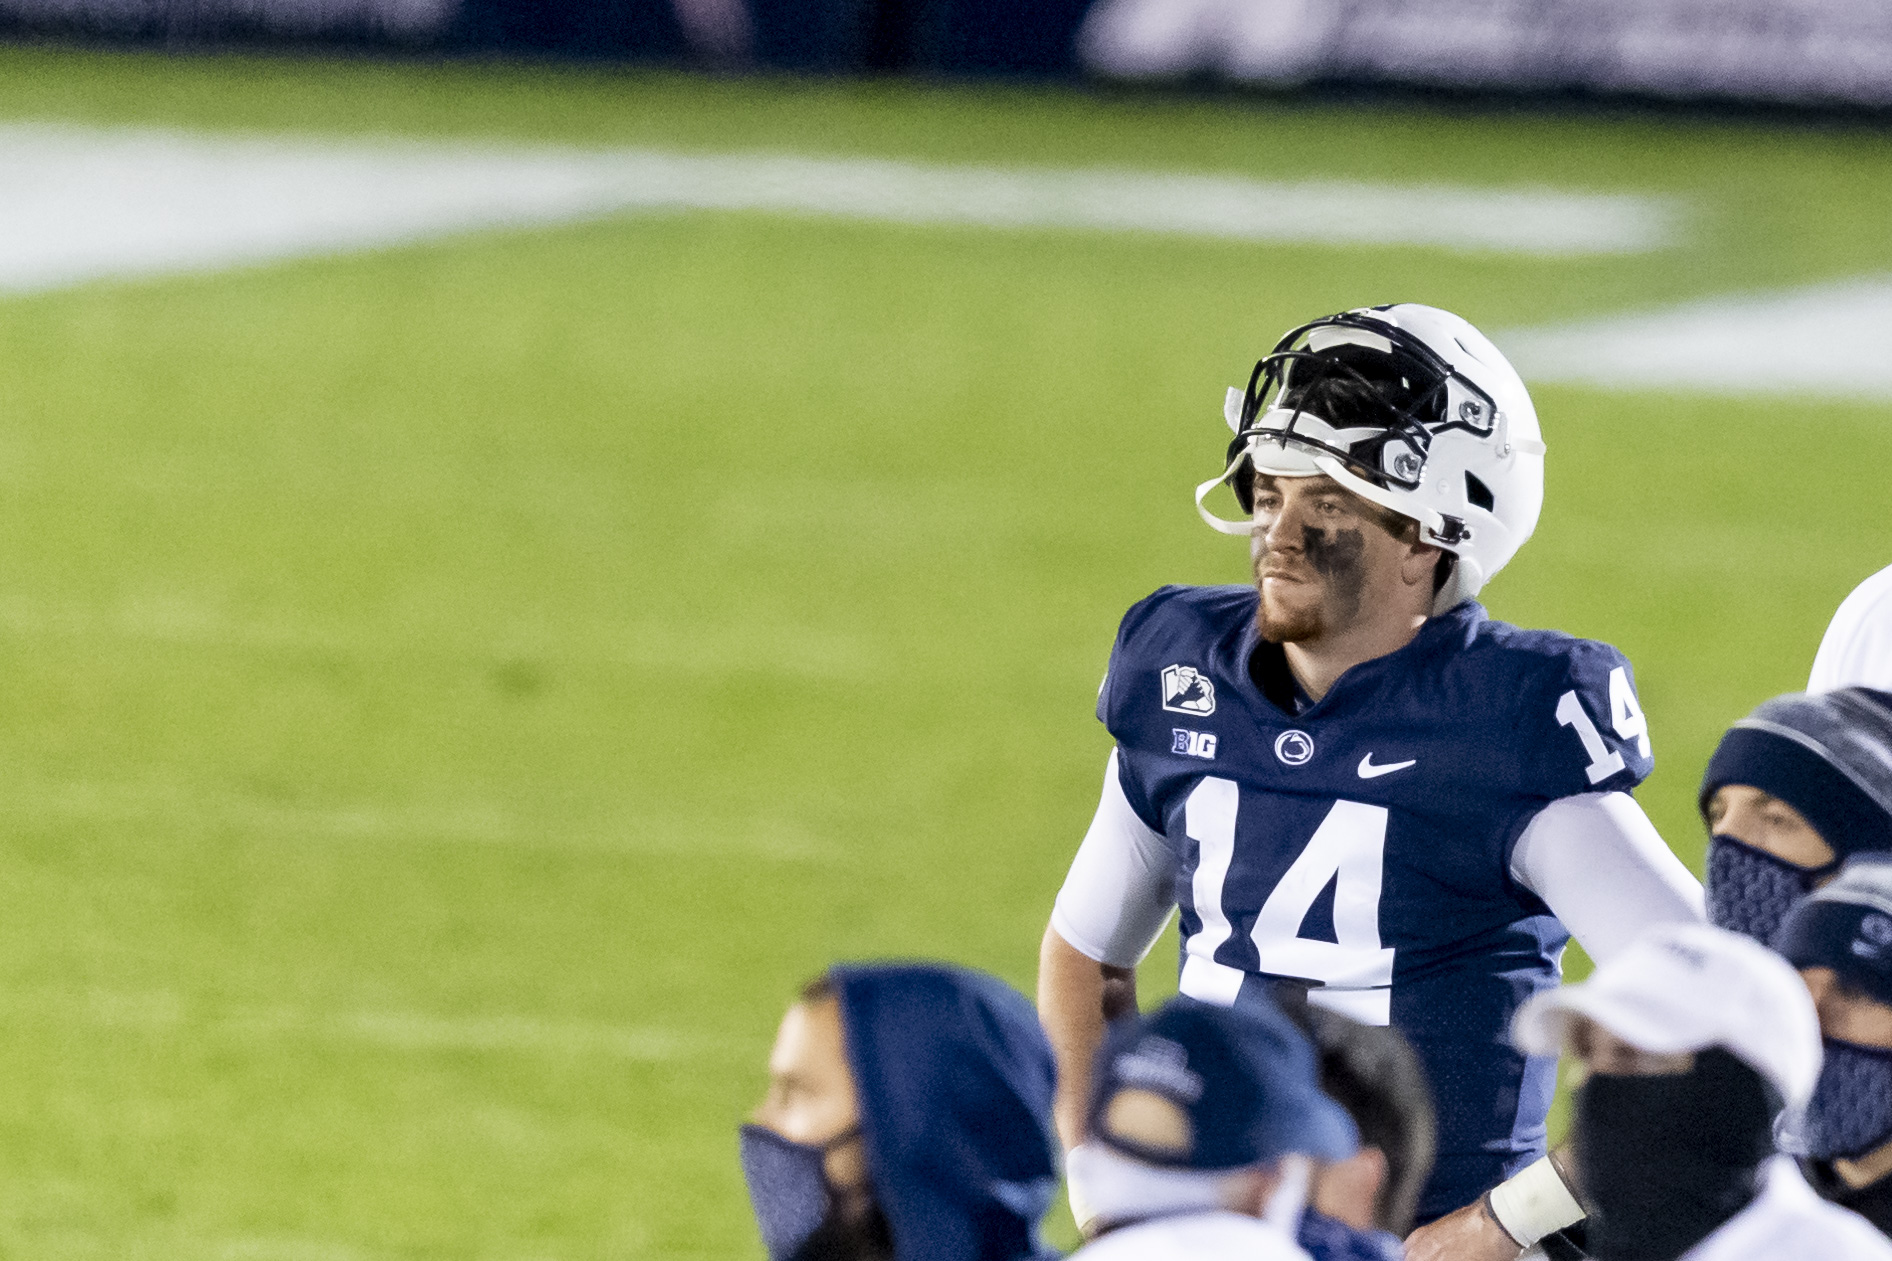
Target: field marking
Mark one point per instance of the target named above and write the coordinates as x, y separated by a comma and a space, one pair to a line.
1824, 341
81, 203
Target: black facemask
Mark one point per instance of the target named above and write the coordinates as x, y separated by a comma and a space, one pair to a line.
1750, 891
1664, 1160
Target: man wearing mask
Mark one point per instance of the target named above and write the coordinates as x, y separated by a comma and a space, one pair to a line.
1203, 1124
908, 1118
1792, 790
1693, 1041
1841, 940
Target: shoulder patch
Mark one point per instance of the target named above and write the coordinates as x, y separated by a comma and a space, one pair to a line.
1187, 690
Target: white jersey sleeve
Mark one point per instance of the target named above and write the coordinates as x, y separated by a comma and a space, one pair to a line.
1857, 648
1603, 869
1121, 888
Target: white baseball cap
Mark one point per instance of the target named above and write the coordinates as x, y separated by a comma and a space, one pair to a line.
1688, 987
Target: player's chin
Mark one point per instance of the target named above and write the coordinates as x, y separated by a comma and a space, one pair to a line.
1291, 615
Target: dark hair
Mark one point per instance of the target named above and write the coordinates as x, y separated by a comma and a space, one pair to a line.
816, 990
1373, 1073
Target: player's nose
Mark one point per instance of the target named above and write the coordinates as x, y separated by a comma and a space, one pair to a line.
1280, 532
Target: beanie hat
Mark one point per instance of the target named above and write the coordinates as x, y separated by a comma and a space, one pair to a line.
1828, 755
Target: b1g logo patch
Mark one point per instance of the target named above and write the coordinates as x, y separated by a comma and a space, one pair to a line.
1187, 691
1193, 743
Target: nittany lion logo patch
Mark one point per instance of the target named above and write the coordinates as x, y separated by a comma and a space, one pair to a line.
1187, 691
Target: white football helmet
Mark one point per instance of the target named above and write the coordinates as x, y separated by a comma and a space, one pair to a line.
1430, 421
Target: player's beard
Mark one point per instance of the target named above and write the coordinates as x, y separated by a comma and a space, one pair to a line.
1280, 624
1330, 568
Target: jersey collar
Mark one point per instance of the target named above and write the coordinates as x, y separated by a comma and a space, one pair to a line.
1441, 632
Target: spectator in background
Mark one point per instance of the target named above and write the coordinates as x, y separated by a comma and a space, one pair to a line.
1795, 787
908, 1118
1841, 940
1203, 1124
1857, 648
1694, 1040
1361, 1206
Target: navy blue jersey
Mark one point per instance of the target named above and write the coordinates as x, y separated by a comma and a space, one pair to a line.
1361, 844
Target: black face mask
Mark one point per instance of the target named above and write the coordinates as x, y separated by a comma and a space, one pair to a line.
1664, 1160
1750, 891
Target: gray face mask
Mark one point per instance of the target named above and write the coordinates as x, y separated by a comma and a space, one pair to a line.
1851, 1111
788, 1187
1750, 891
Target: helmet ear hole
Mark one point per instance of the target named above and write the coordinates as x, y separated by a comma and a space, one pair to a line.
1478, 494
1242, 482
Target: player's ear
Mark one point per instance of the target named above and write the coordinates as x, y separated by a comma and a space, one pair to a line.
1351, 1190
1419, 563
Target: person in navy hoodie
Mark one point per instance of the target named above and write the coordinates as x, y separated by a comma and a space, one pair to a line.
908, 1118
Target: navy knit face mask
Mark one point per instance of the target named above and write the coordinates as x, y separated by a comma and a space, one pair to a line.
1750, 891
788, 1187
1851, 1111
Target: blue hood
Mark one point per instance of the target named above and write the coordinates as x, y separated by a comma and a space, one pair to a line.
955, 1080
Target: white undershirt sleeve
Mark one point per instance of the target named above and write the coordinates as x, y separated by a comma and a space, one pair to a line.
1121, 888
1602, 868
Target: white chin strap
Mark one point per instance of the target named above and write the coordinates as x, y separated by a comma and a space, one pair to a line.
1215, 522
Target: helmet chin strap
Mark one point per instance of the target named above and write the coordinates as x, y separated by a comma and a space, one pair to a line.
1218, 523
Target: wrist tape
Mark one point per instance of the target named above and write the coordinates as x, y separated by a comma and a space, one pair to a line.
1534, 1203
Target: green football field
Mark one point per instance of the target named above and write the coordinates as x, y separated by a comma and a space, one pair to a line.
454, 695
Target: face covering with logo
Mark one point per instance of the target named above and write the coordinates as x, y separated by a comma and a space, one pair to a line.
788, 1187
1750, 891
1664, 1160
1851, 1110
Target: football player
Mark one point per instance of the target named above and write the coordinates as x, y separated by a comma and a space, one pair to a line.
1348, 778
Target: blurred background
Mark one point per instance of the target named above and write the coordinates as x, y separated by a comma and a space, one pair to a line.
529, 527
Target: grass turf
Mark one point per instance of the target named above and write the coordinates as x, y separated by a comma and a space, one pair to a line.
456, 694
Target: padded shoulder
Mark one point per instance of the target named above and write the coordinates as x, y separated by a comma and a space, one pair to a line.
1572, 704
1173, 623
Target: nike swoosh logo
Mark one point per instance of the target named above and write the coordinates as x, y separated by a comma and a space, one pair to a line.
1370, 771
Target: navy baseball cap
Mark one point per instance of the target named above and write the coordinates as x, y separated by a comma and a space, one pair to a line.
1199, 1087
1847, 926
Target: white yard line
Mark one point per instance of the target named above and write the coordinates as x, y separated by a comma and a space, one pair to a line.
1830, 341
80, 203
